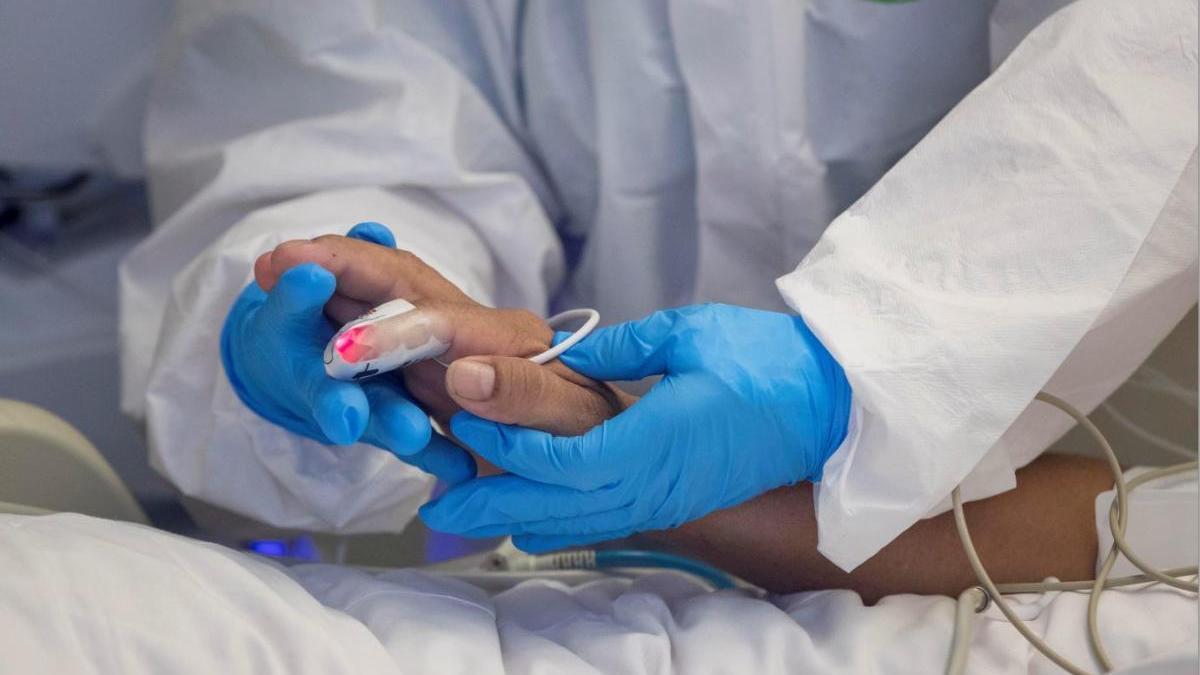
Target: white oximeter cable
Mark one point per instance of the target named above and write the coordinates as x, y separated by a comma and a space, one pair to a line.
591, 319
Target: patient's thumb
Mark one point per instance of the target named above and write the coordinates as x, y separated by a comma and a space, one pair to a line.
517, 391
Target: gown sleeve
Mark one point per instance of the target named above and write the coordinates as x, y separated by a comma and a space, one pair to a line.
1042, 236
272, 121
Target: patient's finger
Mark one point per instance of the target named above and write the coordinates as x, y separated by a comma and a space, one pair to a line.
344, 310
514, 390
485, 332
263, 273
365, 271
477, 330
471, 330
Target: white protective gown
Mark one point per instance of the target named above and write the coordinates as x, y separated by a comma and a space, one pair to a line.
1039, 232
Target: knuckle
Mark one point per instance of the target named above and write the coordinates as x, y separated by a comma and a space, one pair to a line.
407, 258
524, 317
288, 254
528, 335
289, 246
415, 270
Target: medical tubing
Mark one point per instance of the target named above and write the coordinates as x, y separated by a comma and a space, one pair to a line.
1123, 499
1115, 582
1123, 545
1118, 518
591, 318
986, 581
1116, 525
635, 558
970, 602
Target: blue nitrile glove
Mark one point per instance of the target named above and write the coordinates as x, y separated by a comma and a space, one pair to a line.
750, 401
272, 346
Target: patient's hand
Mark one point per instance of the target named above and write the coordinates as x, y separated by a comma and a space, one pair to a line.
490, 375
770, 540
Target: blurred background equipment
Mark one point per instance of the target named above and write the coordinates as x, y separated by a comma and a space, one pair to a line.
46, 465
74, 77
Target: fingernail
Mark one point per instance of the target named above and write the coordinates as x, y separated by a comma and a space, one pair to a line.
472, 380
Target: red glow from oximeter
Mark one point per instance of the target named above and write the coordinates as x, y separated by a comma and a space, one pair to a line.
349, 345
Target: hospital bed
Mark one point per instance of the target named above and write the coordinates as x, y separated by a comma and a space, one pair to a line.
46, 465
480, 613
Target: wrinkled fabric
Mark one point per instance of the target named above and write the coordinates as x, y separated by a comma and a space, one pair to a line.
637, 155
1061, 197
80, 594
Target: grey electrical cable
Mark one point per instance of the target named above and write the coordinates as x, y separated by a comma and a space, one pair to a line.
970, 602
1093, 612
994, 593
1118, 518
1123, 545
1116, 582
1117, 525
590, 319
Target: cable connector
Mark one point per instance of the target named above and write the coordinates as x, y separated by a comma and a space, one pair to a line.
509, 558
566, 560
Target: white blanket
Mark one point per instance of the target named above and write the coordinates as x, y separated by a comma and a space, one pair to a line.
79, 595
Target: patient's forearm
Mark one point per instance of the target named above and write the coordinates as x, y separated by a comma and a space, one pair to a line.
1044, 527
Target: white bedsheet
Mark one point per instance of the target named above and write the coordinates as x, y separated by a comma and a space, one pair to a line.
79, 595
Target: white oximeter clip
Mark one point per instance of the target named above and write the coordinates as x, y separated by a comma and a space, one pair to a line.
397, 333
390, 336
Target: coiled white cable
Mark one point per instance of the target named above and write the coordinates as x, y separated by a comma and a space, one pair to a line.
591, 318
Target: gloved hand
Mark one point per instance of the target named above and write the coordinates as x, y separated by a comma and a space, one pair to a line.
271, 348
750, 401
